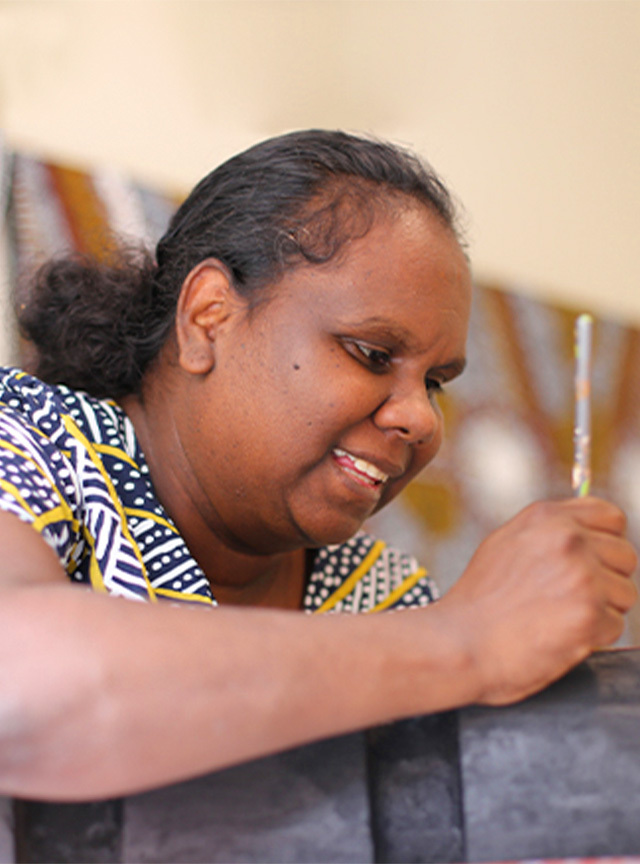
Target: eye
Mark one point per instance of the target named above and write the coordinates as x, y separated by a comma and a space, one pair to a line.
376, 358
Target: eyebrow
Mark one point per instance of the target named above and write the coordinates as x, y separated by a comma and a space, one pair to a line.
384, 327
402, 337
451, 370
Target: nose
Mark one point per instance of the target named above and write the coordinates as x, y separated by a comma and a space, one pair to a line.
412, 414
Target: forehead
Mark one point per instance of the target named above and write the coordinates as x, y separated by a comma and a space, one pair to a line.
409, 269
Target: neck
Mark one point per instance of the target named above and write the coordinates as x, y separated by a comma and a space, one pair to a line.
275, 581
236, 577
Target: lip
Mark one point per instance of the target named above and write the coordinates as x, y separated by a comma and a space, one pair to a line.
368, 471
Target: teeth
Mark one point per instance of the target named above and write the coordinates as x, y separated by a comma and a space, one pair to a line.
371, 470
363, 466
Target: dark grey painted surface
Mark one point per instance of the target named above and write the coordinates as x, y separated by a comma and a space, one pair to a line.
71, 833
307, 805
7, 850
415, 790
559, 774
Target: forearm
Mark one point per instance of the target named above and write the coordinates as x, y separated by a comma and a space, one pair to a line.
139, 696
100, 696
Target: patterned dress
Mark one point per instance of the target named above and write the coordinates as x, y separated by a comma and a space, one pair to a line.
72, 467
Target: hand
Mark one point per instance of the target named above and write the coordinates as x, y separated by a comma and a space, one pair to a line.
541, 593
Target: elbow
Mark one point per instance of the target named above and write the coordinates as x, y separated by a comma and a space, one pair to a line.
48, 730
19, 740
53, 698
46, 752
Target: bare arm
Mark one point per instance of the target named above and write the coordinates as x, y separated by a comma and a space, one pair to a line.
100, 696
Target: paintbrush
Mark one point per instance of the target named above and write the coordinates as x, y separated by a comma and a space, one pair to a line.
581, 474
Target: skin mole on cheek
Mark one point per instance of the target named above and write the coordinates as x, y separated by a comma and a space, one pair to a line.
296, 366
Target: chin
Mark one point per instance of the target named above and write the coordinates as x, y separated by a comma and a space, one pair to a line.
332, 534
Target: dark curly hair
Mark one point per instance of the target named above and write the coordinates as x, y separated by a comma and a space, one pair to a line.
295, 198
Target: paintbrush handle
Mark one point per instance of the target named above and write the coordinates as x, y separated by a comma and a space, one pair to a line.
581, 474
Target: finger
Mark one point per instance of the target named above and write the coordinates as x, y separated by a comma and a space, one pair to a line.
598, 514
614, 552
610, 628
620, 592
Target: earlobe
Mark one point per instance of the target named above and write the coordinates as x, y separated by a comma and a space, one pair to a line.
206, 300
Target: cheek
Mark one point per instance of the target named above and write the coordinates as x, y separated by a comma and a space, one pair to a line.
322, 397
297, 426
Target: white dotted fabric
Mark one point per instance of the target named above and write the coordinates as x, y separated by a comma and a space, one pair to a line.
71, 466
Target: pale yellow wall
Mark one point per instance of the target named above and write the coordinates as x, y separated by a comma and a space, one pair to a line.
530, 109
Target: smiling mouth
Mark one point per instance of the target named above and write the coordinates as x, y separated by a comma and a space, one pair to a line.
361, 470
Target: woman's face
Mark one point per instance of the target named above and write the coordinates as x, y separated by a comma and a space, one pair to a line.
322, 404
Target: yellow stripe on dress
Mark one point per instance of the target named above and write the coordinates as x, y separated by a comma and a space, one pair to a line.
349, 584
7, 445
148, 514
406, 585
181, 595
116, 452
73, 430
57, 514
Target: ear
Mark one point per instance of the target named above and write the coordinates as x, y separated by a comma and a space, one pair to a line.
206, 301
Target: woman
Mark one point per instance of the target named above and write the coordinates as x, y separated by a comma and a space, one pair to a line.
257, 392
